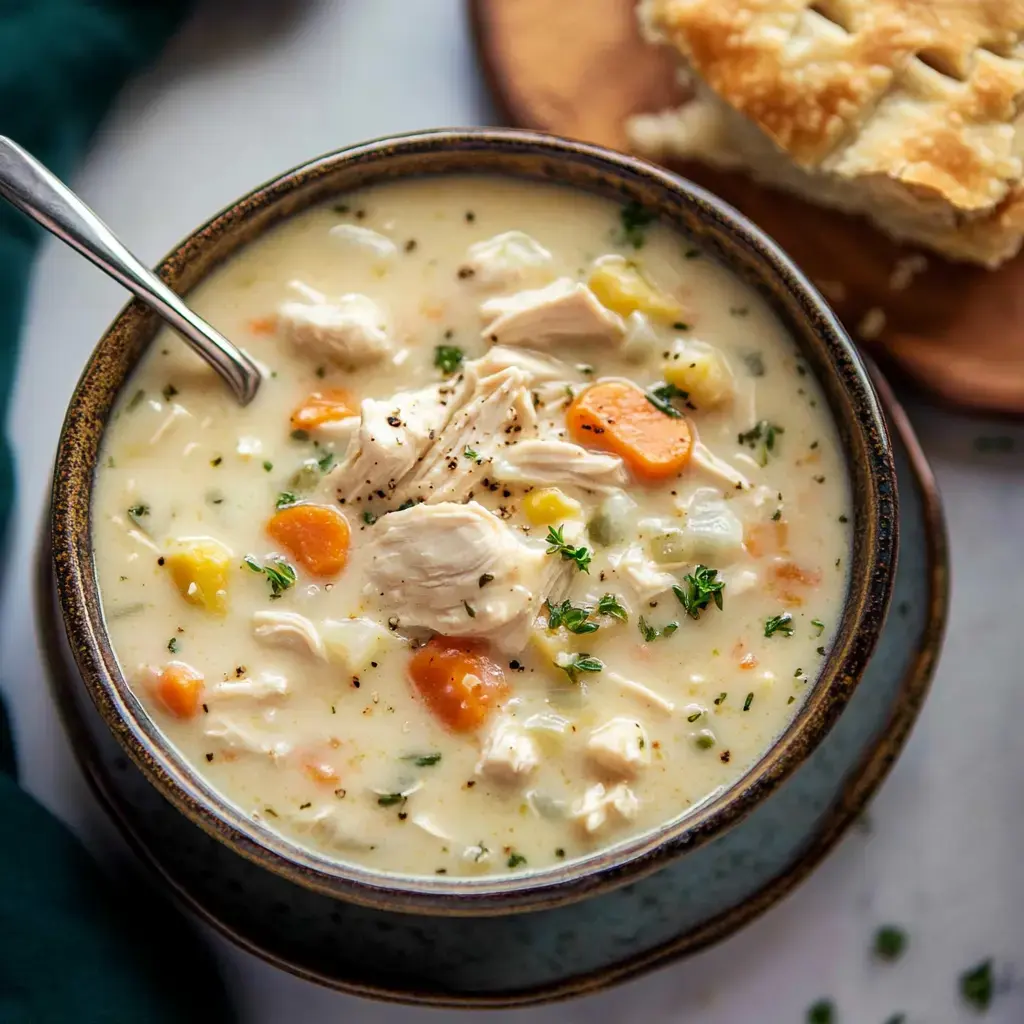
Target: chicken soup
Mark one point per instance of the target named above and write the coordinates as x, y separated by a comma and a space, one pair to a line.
535, 537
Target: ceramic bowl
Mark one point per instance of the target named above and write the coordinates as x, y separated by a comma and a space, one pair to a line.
726, 235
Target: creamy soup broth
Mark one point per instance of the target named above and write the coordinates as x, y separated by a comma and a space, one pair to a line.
311, 695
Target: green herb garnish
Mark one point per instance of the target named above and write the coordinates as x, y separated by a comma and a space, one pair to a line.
818, 625
762, 435
169, 392
172, 645
779, 624
634, 219
280, 574
470, 610
390, 799
448, 358
702, 587
472, 454
369, 518
822, 1012
515, 859
485, 579
610, 605
268, 466
557, 546
136, 400
695, 715
651, 633
423, 760
136, 512
573, 617
661, 398
284, 499
748, 702
326, 461
720, 699
572, 665
976, 986
890, 942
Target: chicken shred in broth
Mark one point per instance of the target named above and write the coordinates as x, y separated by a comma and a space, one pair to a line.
535, 537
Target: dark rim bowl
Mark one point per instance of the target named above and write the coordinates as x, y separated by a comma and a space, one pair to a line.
726, 235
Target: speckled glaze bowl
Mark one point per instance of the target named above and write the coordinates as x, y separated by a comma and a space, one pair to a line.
726, 235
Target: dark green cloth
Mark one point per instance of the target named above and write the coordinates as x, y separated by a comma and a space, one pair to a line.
75, 947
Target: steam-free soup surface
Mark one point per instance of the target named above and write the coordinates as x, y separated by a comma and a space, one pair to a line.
533, 539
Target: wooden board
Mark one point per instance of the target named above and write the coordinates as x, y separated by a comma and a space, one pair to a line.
579, 68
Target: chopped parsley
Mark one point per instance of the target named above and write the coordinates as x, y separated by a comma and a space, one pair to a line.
890, 943
720, 699
762, 436
661, 398
701, 588
779, 624
818, 625
423, 760
369, 518
172, 645
695, 715
390, 799
748, 702
285, 498
515, 859
485, 579
822, 1012
470, 610
136, 400
169, 392
448, 358
573, 664
777, 516
280, 575
651, 633
976, 986
326, 461
268, 466
472, 455
136, 512
557, 546
299, 435
610, 605
634, 219
573, 617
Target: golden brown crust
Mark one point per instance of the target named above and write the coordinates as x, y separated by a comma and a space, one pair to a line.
923, 92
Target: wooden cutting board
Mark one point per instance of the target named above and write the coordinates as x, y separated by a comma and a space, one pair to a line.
579, 68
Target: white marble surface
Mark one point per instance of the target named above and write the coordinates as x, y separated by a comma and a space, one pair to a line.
235, 100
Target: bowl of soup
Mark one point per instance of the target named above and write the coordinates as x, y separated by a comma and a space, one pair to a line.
559, 532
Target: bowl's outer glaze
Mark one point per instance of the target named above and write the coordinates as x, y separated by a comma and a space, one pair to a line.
573, 949
680, 204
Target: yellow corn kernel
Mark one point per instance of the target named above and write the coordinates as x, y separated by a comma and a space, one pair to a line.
620, 287
701, 371
199, 568
550, 505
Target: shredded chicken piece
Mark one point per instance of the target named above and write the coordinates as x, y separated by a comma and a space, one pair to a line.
426, 562
560, 464
638, 690
288, 629
342, 830
705, 460
509, 754
620, 746
633, 567
231, 736
540, 367
511, 258
262, 687
373, 243
351, 331
595, 807
564, 310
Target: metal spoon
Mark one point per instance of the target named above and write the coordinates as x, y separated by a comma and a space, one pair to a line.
28, 185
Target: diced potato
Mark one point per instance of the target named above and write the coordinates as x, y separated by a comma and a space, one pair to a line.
550, 505
199, 568
610, 523
621, 287
354, 643
701, 371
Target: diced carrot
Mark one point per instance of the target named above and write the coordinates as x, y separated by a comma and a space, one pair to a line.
748, 661
321, 772
767, 538
179, 688
458, 682
790, 579
617, 417
316, 536
263, 325
322, 407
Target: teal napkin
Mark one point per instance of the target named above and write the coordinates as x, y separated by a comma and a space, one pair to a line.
74, 945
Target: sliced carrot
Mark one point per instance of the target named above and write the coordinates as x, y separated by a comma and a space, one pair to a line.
616, 417
316, 536
263, 325
179, 688
322, 407
458, 682
767, 538
790, 580
748, 661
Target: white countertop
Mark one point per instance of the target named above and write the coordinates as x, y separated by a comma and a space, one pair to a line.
246, 97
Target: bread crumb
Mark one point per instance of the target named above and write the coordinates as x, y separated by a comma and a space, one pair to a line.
905, 270
872, 323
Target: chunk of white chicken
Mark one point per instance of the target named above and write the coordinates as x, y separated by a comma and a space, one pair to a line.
265, 686
354, 643
509, 753
288, 629
620, 747
393, 434
639, 692
598, 805
510, 259
351, 331
341, 829
634, 569
426, 562
559, 464
718, 469
226, 734
364, 241
564, 310
539, 367
498, 412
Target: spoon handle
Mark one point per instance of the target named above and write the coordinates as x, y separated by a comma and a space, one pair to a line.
28, 185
